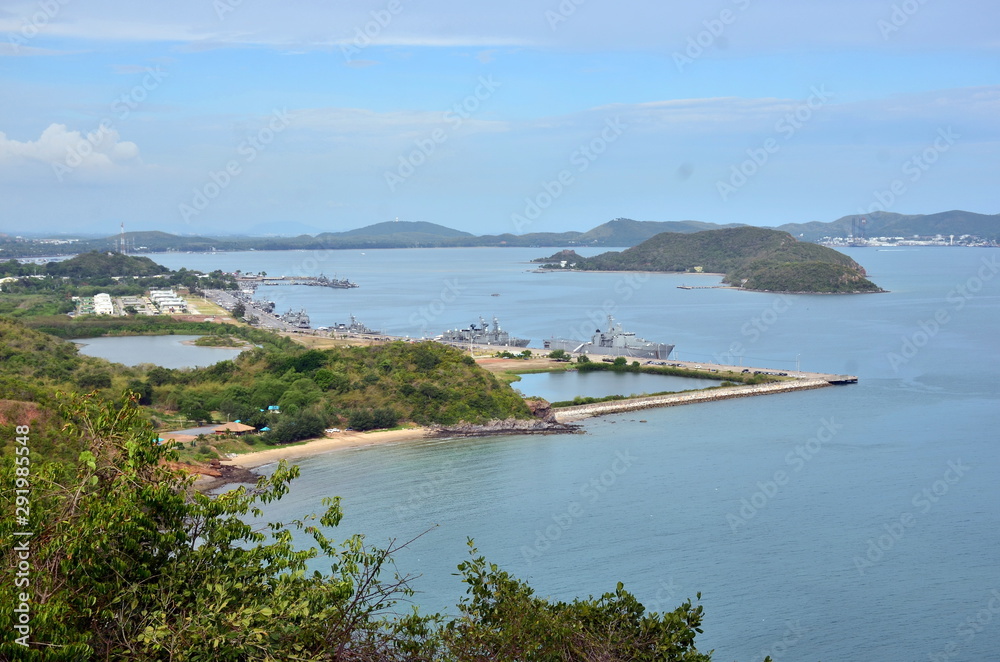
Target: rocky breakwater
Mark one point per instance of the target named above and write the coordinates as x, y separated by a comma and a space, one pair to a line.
544, 422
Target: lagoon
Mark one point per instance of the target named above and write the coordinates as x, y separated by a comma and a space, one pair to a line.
167, 351
561, 386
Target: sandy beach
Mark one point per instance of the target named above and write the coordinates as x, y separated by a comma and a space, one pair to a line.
337, 441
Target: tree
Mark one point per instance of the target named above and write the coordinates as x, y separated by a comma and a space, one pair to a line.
558, 354
239, 310
129, 564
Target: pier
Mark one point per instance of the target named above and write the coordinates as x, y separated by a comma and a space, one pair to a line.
577, 412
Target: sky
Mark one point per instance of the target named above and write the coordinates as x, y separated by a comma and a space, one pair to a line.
265, 117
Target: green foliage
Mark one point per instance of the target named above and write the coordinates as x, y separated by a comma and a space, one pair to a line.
583, 358
128, 564
374, 419
502, 619
295, 427
756, 258
133, 566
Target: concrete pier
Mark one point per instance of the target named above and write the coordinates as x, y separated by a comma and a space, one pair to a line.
577, 412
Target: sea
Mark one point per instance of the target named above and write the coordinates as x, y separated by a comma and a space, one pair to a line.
856, 522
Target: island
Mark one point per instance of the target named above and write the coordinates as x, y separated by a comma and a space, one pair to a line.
751, 258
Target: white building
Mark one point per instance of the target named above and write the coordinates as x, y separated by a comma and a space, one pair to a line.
103, 305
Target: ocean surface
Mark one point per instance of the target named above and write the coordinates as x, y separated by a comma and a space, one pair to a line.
854, 522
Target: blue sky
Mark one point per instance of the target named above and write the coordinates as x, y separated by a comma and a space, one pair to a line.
231, 116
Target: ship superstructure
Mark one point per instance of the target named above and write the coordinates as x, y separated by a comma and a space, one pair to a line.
484, 334
614, 341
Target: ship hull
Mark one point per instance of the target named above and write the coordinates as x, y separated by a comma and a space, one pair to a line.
659, 351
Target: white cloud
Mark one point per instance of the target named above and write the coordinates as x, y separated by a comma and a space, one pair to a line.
96, 150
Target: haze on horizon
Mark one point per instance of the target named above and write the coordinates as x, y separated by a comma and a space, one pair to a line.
223, 116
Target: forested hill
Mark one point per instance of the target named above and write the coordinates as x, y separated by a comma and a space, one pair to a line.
364, 387
755, 258
93, 264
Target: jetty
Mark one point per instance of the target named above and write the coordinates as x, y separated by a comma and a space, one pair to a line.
577, 412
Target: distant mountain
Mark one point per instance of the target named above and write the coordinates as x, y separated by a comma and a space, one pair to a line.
395, 228
626, 232
619, 232
888, 224
754, 258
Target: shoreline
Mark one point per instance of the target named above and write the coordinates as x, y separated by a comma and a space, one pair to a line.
322, 445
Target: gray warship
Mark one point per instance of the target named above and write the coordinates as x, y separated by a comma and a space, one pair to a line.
615, 341
484, 335
299, 319
354, 327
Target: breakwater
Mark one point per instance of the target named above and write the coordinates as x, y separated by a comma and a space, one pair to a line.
577, 412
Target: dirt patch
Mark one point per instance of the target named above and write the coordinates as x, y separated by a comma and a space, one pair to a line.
20, 412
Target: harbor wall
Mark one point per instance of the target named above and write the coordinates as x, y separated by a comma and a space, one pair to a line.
577, 412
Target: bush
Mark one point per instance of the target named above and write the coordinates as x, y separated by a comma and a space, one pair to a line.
374, 419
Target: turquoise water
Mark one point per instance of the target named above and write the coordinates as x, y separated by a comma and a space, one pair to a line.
853, 522
166, 351
558, 386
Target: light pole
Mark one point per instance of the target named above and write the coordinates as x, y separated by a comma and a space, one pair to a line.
797, 365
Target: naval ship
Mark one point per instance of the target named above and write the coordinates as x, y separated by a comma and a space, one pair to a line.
299, 319
613, 342
354, 327
484, 335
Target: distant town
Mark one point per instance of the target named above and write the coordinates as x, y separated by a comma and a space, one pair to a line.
915, 240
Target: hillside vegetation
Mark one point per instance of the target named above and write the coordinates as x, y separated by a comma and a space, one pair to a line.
754, 258
364, 387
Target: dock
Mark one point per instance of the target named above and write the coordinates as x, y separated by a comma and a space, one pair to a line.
578, 412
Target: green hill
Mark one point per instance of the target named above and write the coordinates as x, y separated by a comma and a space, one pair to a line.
98, 264
390, 228
626, 232
889, 224
754, 258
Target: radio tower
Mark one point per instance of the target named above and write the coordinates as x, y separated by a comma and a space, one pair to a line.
124, 246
